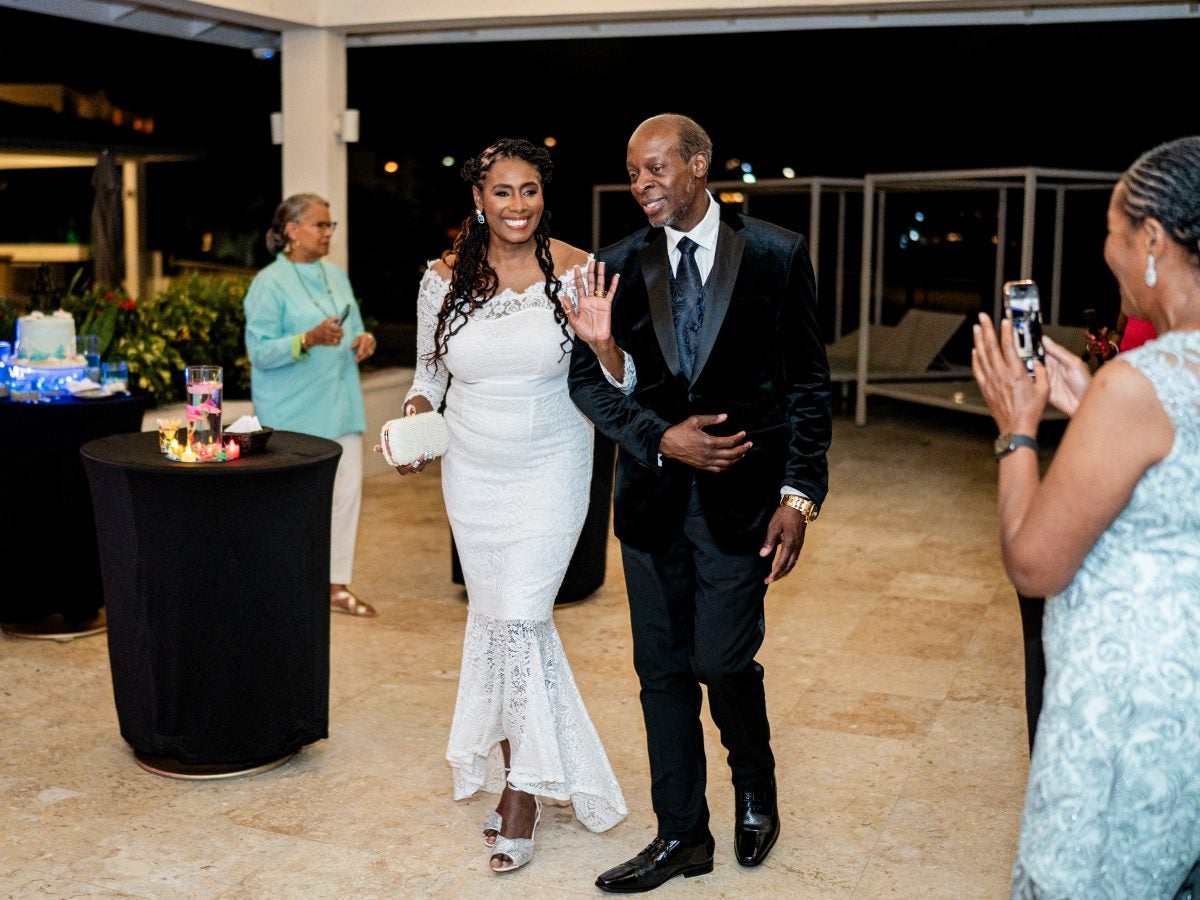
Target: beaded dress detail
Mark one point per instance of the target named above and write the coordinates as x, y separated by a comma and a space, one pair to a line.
516, 482
1112, 807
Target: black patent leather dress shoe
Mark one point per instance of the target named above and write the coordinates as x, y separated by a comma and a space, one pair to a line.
756, 826
657, 864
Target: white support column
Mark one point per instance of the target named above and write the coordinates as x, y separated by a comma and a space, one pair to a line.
880, 218
864, 297
839, 296
314, 98
1028, 214
133, 211
1060, 215
1001, 251
814, 229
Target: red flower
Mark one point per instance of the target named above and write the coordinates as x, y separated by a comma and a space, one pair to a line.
127, 304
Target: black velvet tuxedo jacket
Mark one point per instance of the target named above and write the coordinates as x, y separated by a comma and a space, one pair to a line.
760, 358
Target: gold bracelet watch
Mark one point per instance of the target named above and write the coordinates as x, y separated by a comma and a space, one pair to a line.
802, 505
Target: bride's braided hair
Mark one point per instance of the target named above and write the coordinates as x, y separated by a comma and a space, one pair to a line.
473, 281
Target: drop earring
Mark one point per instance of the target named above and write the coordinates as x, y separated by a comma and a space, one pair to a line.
1151, 271
479, 216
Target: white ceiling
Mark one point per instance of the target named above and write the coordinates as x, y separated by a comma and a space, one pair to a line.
258, 23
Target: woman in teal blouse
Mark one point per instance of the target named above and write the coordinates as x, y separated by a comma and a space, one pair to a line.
305, 338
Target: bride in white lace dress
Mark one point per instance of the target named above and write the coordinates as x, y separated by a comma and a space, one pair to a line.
493, 344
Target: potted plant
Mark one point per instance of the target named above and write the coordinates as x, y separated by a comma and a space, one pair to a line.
195, 320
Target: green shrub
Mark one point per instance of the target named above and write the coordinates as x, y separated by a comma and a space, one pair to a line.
209, 324
10, 311
195, 321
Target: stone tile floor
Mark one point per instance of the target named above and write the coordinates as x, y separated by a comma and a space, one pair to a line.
894, 679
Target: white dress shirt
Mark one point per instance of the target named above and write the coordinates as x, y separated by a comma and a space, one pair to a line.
705, 236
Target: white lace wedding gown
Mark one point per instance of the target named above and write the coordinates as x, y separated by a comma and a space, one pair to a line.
515, 480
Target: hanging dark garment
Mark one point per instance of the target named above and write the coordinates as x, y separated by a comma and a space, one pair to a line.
108, 241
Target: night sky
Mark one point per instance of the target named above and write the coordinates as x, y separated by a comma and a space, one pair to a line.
1080, 96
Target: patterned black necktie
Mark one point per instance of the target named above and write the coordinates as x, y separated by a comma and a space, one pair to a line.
687, 305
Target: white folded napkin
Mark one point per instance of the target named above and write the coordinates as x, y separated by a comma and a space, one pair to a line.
83, 384
244, 425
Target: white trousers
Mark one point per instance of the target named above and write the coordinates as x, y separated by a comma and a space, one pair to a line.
347, 499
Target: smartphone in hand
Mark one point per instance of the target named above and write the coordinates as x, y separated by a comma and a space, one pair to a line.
345, 315
1022, 305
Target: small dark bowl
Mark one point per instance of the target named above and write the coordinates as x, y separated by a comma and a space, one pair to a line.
249, 441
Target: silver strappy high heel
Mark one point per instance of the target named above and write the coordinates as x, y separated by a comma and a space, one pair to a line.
519, 850
494, 822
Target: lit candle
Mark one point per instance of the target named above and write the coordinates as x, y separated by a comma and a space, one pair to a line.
233, 449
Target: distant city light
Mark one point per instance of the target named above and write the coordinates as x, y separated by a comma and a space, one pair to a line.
953, 237
550, 141
448, 161
789, 172
913, 234
391, 167
731, 164
746, 167
732, 197
749, 178
919, 216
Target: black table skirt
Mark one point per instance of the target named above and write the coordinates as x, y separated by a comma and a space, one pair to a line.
52, 562
216, 582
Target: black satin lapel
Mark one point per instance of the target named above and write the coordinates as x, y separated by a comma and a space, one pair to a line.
657, 273
718, 291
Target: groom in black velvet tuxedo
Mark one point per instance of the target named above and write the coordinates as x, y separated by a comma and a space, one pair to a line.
704, 361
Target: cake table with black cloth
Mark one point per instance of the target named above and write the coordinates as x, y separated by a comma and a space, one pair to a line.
52, 575
216, 582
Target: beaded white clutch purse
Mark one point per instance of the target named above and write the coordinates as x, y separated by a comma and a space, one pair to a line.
407, 439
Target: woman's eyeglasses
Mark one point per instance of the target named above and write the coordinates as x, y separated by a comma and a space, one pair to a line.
331, 227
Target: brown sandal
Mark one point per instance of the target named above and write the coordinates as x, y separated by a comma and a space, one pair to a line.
345, 602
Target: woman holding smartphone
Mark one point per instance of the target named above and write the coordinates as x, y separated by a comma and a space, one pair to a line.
305, 338
1111, 537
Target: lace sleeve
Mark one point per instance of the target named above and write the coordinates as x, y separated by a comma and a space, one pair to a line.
625, 387
429, 383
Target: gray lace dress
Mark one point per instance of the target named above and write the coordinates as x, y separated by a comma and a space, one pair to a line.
1112, 808
515, 480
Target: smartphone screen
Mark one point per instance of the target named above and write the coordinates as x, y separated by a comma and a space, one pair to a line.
1022, 304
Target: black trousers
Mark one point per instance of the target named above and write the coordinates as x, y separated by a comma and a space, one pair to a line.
697, 618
